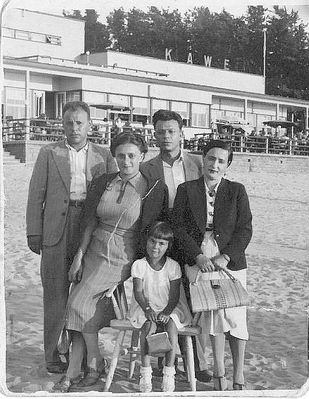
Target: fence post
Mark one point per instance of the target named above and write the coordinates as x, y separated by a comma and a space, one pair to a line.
267, 145
27, 129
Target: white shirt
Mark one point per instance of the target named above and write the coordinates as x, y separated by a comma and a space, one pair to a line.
173, 176
78, 160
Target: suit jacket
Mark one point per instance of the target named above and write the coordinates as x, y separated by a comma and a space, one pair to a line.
193, 167
154, 206
49, 190
232, 220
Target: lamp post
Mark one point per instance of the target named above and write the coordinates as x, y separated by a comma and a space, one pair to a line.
264, 52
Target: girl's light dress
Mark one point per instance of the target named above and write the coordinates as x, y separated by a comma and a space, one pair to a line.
156, 288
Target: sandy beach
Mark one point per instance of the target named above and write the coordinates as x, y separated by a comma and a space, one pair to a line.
276, 354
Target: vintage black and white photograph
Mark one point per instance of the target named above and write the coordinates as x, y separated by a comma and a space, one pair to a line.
154, 198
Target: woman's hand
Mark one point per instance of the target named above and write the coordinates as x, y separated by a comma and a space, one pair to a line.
76, 269
150, 314
204, 263
164, 318
220, 262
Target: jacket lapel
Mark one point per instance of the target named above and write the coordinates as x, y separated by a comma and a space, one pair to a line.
197, 200
220, 203
191, 172
155, 168
61, 157
93, 163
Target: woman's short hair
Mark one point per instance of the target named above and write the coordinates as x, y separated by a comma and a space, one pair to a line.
161, 231
129, 138
225, 145
75, 105
166, 115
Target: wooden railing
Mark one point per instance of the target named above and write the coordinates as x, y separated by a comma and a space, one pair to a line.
52, 130
256, 144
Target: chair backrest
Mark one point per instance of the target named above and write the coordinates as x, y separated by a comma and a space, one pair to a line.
118, 295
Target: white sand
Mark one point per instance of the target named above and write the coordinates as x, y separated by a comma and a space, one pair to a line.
276, 355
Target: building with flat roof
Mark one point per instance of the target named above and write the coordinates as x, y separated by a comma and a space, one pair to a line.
45, 66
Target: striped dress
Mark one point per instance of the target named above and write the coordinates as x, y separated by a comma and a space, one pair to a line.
110, 253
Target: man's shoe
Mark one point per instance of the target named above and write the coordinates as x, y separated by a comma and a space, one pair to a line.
203, 375
57, 368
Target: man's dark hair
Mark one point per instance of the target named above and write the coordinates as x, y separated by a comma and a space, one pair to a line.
75, 105
166, 115
219, 144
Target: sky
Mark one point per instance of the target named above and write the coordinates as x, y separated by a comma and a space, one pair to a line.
104, 7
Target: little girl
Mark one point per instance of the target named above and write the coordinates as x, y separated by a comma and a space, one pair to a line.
158, 299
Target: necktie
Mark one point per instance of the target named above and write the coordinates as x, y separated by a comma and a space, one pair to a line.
122, 190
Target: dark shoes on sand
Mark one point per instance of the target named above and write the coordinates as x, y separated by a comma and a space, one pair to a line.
84, 380
57, 368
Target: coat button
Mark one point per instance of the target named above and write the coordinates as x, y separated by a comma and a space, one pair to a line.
63, 214
65, 201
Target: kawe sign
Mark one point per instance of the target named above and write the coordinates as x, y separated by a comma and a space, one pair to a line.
207, 59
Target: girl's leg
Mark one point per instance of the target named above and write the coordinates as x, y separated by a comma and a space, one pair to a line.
238, 353
145, 383
173, 337
149, 327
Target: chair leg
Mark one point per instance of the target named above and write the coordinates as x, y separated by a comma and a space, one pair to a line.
133, 354
114, 360
190, 363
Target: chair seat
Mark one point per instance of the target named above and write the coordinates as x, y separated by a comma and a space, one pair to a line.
122, 325
190, 330
125, 325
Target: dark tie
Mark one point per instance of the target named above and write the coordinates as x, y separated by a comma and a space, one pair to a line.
122, 190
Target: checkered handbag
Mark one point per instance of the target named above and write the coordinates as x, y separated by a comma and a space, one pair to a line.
217, 294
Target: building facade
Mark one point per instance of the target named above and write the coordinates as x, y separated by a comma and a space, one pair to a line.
45, 66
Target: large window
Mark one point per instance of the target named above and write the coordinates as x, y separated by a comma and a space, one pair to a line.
15, 102
182, 109
33, 36
200, 115
119, 99
73, 96
159, 104
141, 106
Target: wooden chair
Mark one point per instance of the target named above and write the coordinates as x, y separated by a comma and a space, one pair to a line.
123, 325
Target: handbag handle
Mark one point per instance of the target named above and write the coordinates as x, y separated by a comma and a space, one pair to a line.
223, 270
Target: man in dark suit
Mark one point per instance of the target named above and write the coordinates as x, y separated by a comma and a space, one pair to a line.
61, 176
174, 166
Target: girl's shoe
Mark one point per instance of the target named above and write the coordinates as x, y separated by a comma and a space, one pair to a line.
168, 382
145, 384
238, 387
220, 383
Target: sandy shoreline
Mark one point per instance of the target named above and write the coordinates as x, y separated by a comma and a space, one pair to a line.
276, 355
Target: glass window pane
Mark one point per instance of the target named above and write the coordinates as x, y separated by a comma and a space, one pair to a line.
141, 106
7, 32
20, 34
159, 104
37, 37
200, 115
182, 109
118, 99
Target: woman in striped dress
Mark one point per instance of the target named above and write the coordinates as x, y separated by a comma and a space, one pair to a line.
118, 211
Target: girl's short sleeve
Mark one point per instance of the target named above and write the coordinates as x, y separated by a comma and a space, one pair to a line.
138, 269
174, 270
